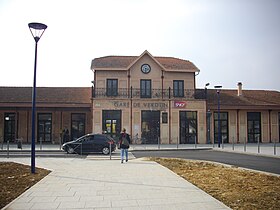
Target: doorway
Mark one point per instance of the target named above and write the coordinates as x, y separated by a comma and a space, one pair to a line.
111, 122
9, 127
150, 127
44, 127
188, 127
78, 122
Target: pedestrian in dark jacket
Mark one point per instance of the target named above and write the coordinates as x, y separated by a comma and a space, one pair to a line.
124, 141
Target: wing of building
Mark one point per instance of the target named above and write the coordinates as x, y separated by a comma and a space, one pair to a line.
57, 108
154, 98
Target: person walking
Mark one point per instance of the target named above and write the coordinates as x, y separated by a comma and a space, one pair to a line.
124, 141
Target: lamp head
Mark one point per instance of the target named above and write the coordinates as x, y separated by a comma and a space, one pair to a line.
37, 30
218, 87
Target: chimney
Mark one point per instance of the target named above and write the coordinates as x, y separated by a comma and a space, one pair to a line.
239, 89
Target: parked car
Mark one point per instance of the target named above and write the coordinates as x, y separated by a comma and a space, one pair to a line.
90, 143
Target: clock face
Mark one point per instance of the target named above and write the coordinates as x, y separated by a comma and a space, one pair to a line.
145, 68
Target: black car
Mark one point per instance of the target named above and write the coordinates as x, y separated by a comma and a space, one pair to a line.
90, 143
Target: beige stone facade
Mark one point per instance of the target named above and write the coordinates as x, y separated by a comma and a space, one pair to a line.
163, 101
179, 117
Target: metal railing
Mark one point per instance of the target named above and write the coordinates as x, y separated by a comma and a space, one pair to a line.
153, 93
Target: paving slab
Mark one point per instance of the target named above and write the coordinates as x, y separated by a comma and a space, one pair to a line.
78, 183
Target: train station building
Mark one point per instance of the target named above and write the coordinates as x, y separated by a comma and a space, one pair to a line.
154, 98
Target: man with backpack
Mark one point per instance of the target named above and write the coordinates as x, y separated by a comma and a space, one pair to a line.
124, 141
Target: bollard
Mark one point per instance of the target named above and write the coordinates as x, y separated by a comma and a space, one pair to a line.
110, 147
222, 143
258, 145
158, 142
244, 144
195, 142
177, 142
81, 149
8, 148
40, 143
274, 146
232, 143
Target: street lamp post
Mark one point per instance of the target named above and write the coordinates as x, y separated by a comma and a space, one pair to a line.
37, 30
207, 115
218, 87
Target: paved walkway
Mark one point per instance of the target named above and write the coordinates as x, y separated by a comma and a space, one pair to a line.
77, 183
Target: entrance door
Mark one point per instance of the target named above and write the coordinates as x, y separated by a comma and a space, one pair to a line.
254, 127
188, 127
111, 122
9, 127
44, 127
150, 127
77, 125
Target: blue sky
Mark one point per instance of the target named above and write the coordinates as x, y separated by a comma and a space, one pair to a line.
230, 41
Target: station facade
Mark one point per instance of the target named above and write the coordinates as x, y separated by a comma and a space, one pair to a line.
154, 98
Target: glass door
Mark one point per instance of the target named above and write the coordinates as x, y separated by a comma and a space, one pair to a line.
111, 123
254, 127
77, 125
44, 127
188, 127
150, 127
9, 127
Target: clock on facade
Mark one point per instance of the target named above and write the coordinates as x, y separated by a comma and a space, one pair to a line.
145, 68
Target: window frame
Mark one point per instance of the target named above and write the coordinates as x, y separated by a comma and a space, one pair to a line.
178, 88
112, 87
146, 88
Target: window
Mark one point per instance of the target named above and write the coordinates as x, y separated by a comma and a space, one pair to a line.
146, 88
77, 125
9, 127
44, 127
99, 139
254, 127
164, 117
178, 88
112, 87
224, 127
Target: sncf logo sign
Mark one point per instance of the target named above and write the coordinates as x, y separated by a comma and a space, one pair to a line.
179, 104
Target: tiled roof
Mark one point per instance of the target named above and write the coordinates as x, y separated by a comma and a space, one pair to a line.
122, 62
248, 98
47, 95
81, 96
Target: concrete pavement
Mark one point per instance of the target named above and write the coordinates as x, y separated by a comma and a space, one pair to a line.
78, 183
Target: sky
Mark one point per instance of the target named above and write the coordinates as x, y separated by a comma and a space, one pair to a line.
230, 41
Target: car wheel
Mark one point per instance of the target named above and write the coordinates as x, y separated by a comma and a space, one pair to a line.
105, 150
70, 150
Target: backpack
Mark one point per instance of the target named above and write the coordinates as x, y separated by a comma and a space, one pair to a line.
125, 142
